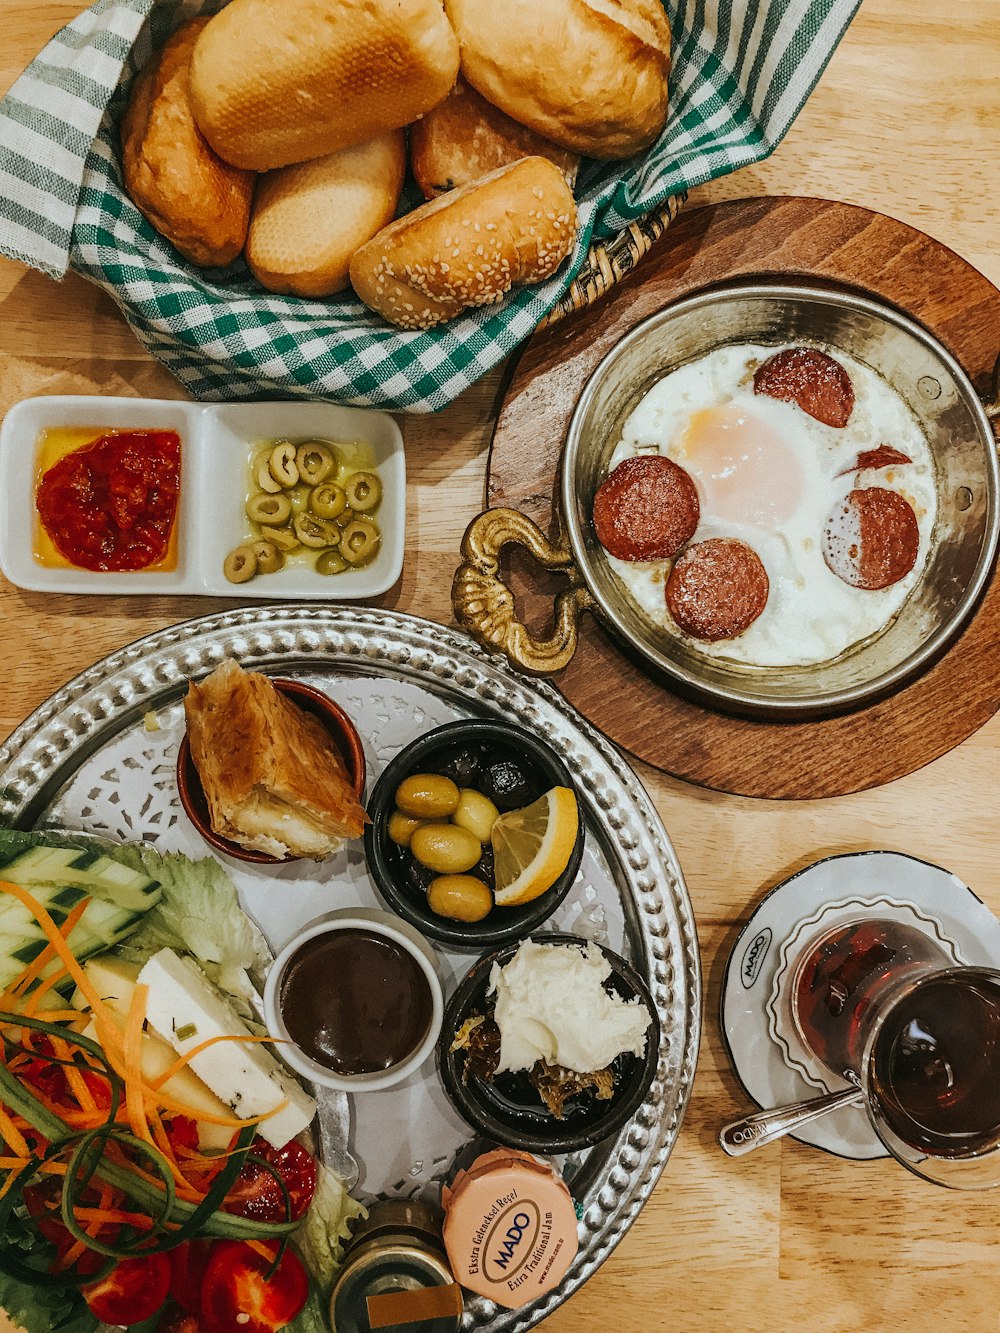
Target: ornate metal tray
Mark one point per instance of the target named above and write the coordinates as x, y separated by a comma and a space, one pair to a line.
92, 758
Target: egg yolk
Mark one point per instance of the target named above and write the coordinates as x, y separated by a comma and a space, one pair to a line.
746, 473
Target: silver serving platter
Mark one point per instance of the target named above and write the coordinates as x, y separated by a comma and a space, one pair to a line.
42, 760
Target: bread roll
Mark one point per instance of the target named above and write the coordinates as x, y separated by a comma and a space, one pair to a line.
590, 75
469, 247
279, 81
466, 137
198, 202
308, 220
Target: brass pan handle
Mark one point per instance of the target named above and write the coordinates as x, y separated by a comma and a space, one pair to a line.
484, 605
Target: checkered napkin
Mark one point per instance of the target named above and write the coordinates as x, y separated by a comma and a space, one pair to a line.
741, 71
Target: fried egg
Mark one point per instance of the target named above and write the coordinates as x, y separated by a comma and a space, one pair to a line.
770, 475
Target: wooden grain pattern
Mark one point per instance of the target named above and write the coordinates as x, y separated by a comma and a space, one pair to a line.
760, 238
904, 121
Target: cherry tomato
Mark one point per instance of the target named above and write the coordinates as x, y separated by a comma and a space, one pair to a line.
182, 1132
133, 1291
100, 1088
257, 1194
187, 1273
174, 1320
43, 1073
238, 1297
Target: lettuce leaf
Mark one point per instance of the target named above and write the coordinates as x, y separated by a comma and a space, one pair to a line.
199, 913
326, 1226
41, 1308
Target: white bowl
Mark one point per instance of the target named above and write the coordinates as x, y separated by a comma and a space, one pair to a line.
377, 922
216, 443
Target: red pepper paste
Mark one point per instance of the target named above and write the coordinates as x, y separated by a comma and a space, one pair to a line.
111, 505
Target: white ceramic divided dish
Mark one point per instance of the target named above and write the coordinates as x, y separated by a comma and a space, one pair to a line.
216, 443
374, 920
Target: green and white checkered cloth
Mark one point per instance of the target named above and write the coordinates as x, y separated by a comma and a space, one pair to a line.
741, 72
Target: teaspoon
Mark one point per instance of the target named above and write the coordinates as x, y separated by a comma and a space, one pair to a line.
754, 1131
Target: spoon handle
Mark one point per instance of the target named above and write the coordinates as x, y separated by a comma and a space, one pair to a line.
753, 1131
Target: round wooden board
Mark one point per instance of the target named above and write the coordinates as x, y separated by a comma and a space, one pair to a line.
753, 238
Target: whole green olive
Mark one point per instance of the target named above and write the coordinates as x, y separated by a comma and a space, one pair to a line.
359, 541
446, 848
281, 463
475, 812
328, 500
267, 509
331, 562
269, 558
460, 897
240, 565
427, 796
364, 491
315, 532
283, 538
401, 828
316, 461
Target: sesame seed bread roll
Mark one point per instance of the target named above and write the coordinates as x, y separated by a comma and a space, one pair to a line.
279, 81
590, 75
469, 247
308, 219
198, 202
466, 137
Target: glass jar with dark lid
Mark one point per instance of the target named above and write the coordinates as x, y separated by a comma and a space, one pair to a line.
395, 1267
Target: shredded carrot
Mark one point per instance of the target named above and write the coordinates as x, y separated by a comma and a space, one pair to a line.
110, 1039
227, 1121
12, 1136
263, 1249
15, 1163
16, 988
188, 1056
102, 1217
53, 1016
5, 1188
75, 1251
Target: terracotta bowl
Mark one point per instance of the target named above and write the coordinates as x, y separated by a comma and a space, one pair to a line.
335, 722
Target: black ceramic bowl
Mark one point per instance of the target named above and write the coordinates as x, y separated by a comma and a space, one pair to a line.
508, 1109
451, 750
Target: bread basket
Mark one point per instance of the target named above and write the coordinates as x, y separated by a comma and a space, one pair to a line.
223, 337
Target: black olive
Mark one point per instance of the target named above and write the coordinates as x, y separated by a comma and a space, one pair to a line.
461, 765
507, 785
415, 875
483, 869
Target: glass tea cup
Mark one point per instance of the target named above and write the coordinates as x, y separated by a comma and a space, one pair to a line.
884, 1002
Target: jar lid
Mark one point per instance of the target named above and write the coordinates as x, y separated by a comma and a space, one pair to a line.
391, 1281
510, 1227
400, 1215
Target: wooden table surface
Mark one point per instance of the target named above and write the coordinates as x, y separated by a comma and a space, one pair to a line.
905, 120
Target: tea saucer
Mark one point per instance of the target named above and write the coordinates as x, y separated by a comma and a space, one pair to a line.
761, 1046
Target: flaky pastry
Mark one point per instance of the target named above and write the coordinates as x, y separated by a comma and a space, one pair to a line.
273, 779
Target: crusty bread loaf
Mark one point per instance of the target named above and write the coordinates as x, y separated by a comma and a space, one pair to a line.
274, 83
466, 137
468, 247
197, 201
588, 74
308, 219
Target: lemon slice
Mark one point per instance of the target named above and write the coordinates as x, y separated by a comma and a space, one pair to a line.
532, 846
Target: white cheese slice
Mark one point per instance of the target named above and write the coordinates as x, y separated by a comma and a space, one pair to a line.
185, 1009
